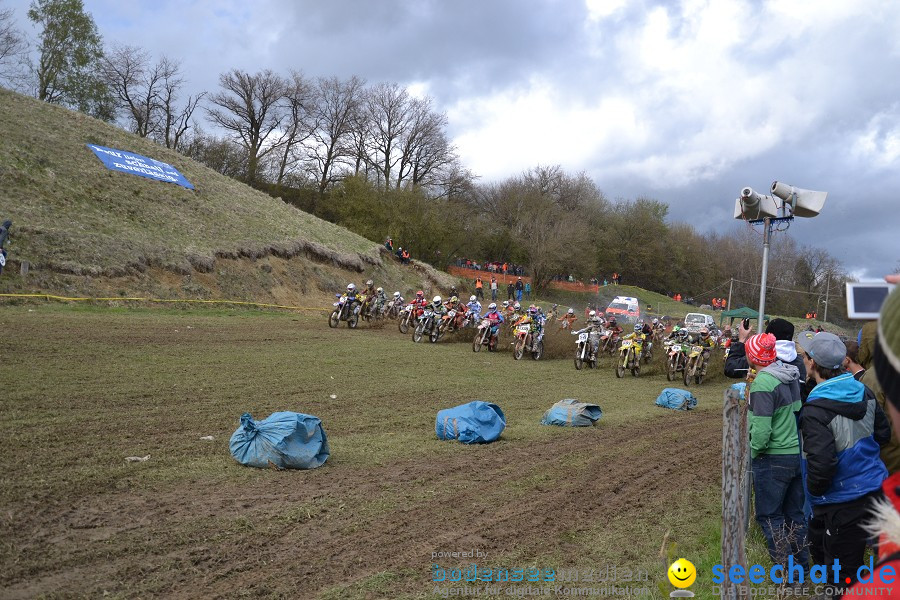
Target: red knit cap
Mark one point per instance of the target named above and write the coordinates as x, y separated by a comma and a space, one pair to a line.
761, 349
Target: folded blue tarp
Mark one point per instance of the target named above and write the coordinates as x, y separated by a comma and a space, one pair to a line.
474, 423
572, 413
288, 440
676, 399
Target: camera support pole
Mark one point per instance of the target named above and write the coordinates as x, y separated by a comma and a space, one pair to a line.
768, 224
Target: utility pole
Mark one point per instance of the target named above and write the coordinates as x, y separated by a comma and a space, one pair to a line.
730, 287
827, 286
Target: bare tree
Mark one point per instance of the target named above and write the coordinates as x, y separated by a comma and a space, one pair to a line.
389, 116
126, 71
299, 126
337, 106
175, 120
424, 148
13, 48
250, 108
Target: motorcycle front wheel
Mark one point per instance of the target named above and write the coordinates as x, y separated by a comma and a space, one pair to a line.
404, 324
538, 351
417, 333
620, 368
670, 369
435, 335
476, 345
334, 319
519, 350
579, 363
688, 372
353, 321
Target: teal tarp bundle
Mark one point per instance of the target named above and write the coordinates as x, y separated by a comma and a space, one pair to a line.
572, 413
676, 399
288, 440
474, 423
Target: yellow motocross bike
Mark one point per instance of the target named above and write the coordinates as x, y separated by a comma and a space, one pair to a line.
629, 355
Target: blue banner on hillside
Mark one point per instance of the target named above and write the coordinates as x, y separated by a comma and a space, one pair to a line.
128, 162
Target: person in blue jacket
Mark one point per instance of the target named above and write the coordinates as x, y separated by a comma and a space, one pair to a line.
842, 429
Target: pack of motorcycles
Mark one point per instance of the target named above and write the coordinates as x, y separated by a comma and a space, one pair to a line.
685, 358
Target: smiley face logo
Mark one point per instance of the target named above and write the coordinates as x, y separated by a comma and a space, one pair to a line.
682, 573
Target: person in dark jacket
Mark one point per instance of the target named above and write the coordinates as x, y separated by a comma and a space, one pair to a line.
842, 429
736, 365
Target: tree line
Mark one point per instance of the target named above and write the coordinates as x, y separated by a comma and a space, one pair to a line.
377, 159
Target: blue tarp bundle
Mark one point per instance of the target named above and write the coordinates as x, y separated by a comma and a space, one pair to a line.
572, 413
288, 440
676, 399
474, 423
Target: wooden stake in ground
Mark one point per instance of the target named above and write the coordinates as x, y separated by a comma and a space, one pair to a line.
734, 507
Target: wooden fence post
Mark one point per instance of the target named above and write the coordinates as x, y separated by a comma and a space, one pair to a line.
735, 494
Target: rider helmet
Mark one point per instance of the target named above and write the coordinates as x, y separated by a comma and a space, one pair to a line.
532, 310
436, 300
492, 306
453, 299
369, 283
571, 311
592, 314
638, 327
351, 287
517, 306
656, 321
420, 294
704, 333
380, 290
396, 294
472, 298
505, 303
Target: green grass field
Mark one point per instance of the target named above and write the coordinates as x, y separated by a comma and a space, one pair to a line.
85, 387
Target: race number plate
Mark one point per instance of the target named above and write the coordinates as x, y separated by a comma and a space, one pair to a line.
582, 337
523, 329
626, 344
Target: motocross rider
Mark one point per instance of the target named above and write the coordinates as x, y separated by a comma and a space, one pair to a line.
495, 317
474, 307
706, 342
568, 319
594, 328
418, 304
368, 296
380, 301
353, 296
398, 300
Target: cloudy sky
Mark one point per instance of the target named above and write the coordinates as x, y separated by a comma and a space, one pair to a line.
683, 101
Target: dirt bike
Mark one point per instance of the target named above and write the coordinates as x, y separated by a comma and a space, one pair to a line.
484, 337
408, 317
393, 310
344, 311
676, 358
525, 342
695, 368
629, 356
447, 324
647, 354
471, 320
609, 343
583, 351
427, 325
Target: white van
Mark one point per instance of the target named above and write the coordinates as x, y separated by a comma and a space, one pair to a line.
694, 322
625, 308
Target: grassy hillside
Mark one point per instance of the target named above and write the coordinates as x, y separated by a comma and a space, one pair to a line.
72, 216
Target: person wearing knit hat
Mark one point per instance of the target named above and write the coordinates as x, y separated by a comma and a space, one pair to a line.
886, 367
842, 429
774, 398
736, 365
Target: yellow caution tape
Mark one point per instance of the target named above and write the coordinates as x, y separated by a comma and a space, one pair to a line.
119, 299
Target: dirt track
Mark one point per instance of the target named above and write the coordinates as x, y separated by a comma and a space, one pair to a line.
337, 525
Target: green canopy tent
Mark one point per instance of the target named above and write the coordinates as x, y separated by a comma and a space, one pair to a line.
745, 312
